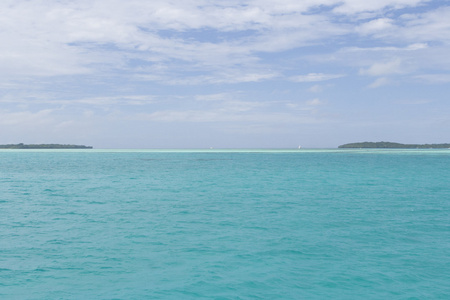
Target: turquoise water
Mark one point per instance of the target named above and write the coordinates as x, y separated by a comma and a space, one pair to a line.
308, 224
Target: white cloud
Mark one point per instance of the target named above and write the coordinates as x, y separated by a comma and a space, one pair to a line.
379, 82
429, 26
251, 77
384, 68
434, 78
358, 6
8, 118
314, 77
213, 97
219, 77
411, 47
316, 88
417, 46
314, 102
375, 26
200, 116
90, 101
116, 100
52, 38
48, 38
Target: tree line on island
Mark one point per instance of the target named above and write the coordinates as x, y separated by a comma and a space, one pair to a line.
390, 145
43, 146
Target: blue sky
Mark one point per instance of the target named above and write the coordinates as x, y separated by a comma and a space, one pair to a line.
224, 74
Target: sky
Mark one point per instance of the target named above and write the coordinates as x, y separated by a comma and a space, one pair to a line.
224, 74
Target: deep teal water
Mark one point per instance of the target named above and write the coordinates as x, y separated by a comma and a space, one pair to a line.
224, 225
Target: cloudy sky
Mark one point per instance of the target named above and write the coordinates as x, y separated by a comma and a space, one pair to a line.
224, 74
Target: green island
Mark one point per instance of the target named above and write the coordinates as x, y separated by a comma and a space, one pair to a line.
43, 146
390, 145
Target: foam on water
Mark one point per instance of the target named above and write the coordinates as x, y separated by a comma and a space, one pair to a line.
224, 224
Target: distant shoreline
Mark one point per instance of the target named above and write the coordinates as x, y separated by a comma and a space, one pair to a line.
43, 146
390, 145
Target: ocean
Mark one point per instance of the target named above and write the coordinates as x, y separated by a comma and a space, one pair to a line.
225, 224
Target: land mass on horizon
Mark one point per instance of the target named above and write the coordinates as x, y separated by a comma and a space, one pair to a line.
43, 146
390, 145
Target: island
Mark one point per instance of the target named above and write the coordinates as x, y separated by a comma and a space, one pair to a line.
390, 145
43, 146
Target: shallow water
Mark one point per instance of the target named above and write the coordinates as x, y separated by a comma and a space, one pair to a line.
215, 224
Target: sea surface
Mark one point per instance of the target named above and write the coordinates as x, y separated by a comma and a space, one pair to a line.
225, 224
